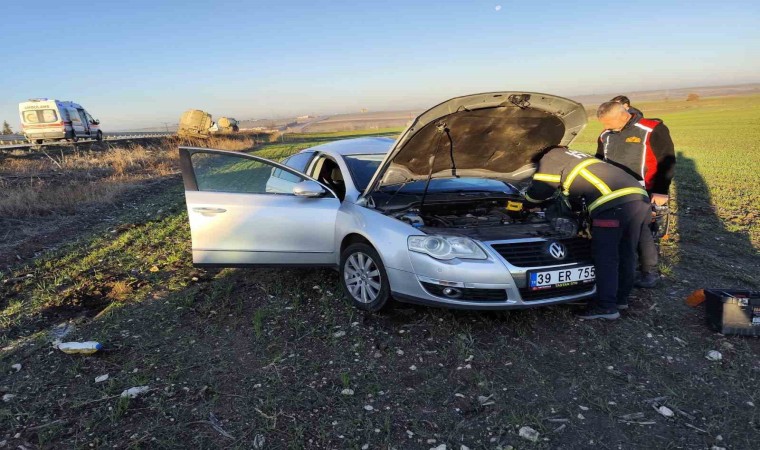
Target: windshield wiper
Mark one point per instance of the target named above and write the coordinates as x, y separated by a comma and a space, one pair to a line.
401, 186
469, 191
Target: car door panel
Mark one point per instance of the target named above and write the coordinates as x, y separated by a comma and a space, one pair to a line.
85, 122
229, 221
93, 127
253, 226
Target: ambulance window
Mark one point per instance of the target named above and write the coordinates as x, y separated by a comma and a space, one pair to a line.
40, 116
48, 115
30, 117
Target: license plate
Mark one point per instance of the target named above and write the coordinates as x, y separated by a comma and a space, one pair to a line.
560, 277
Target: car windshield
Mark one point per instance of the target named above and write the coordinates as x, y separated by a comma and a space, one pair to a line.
362, 167
464, 184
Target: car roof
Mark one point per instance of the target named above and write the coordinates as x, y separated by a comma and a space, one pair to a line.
357, 146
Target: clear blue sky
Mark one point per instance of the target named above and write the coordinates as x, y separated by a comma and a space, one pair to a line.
136, 63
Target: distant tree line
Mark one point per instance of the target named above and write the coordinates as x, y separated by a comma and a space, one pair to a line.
7, 128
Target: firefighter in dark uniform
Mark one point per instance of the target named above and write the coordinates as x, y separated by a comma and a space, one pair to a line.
618, 207
644, 149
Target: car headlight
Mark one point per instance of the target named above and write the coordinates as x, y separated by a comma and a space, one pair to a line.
446, 247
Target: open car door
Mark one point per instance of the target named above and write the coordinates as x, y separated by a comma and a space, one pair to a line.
247, 211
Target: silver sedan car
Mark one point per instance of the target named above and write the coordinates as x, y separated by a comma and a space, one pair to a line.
435, 217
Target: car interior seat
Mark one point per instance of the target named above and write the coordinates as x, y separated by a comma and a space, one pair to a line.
331, 175
337, 182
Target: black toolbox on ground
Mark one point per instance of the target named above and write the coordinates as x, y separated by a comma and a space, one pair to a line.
733, 311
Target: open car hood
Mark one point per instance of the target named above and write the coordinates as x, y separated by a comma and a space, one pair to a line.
490, 135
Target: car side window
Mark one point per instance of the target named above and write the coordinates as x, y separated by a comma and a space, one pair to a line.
299, 161
216, 172
283, 176
287, 176
73, 115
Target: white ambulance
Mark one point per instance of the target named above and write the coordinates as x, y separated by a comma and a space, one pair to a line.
45, 119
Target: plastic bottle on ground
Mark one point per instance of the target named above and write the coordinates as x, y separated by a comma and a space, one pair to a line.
84, 348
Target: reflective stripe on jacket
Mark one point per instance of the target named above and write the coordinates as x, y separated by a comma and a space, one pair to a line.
582, 177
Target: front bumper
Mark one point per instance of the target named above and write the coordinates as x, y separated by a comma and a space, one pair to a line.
492, 284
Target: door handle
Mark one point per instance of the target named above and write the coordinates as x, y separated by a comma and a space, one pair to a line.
209, 211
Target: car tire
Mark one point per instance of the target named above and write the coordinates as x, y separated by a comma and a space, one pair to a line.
363, 277
99, 136
38, 141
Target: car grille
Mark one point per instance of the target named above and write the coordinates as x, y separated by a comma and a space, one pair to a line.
544, 294
534, 253
467, 293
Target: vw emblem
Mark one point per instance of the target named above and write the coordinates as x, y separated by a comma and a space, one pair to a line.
557, 250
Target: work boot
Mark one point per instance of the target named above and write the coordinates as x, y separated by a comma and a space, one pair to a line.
596, 312
647, 280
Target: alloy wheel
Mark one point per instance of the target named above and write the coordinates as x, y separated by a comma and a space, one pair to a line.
362, 277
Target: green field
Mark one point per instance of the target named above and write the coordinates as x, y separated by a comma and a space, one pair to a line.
273, 354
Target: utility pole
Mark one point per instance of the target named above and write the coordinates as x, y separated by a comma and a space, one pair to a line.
166, 124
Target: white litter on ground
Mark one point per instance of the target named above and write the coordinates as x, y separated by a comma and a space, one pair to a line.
529, 434
134, 391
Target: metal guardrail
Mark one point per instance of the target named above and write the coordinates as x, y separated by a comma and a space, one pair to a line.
11, 141
11, 137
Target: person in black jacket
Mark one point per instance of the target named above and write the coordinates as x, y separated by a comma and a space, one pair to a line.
618, 207
644, 149
626, 102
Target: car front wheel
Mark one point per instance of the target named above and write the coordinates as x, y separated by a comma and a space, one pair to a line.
363, 277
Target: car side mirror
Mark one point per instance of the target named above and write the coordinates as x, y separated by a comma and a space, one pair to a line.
308, 188
96, 122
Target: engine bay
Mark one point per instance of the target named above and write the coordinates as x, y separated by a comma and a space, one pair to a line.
467, 215
490, 219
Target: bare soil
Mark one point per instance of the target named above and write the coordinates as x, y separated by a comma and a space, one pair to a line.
278, 359
275, 358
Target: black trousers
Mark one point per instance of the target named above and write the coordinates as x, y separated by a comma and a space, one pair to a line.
647, 250
615, 235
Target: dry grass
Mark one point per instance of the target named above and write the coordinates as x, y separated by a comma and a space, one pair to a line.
61, 183
120, 291
226, 143
236, 142
58, 182
36, 199
117, 161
